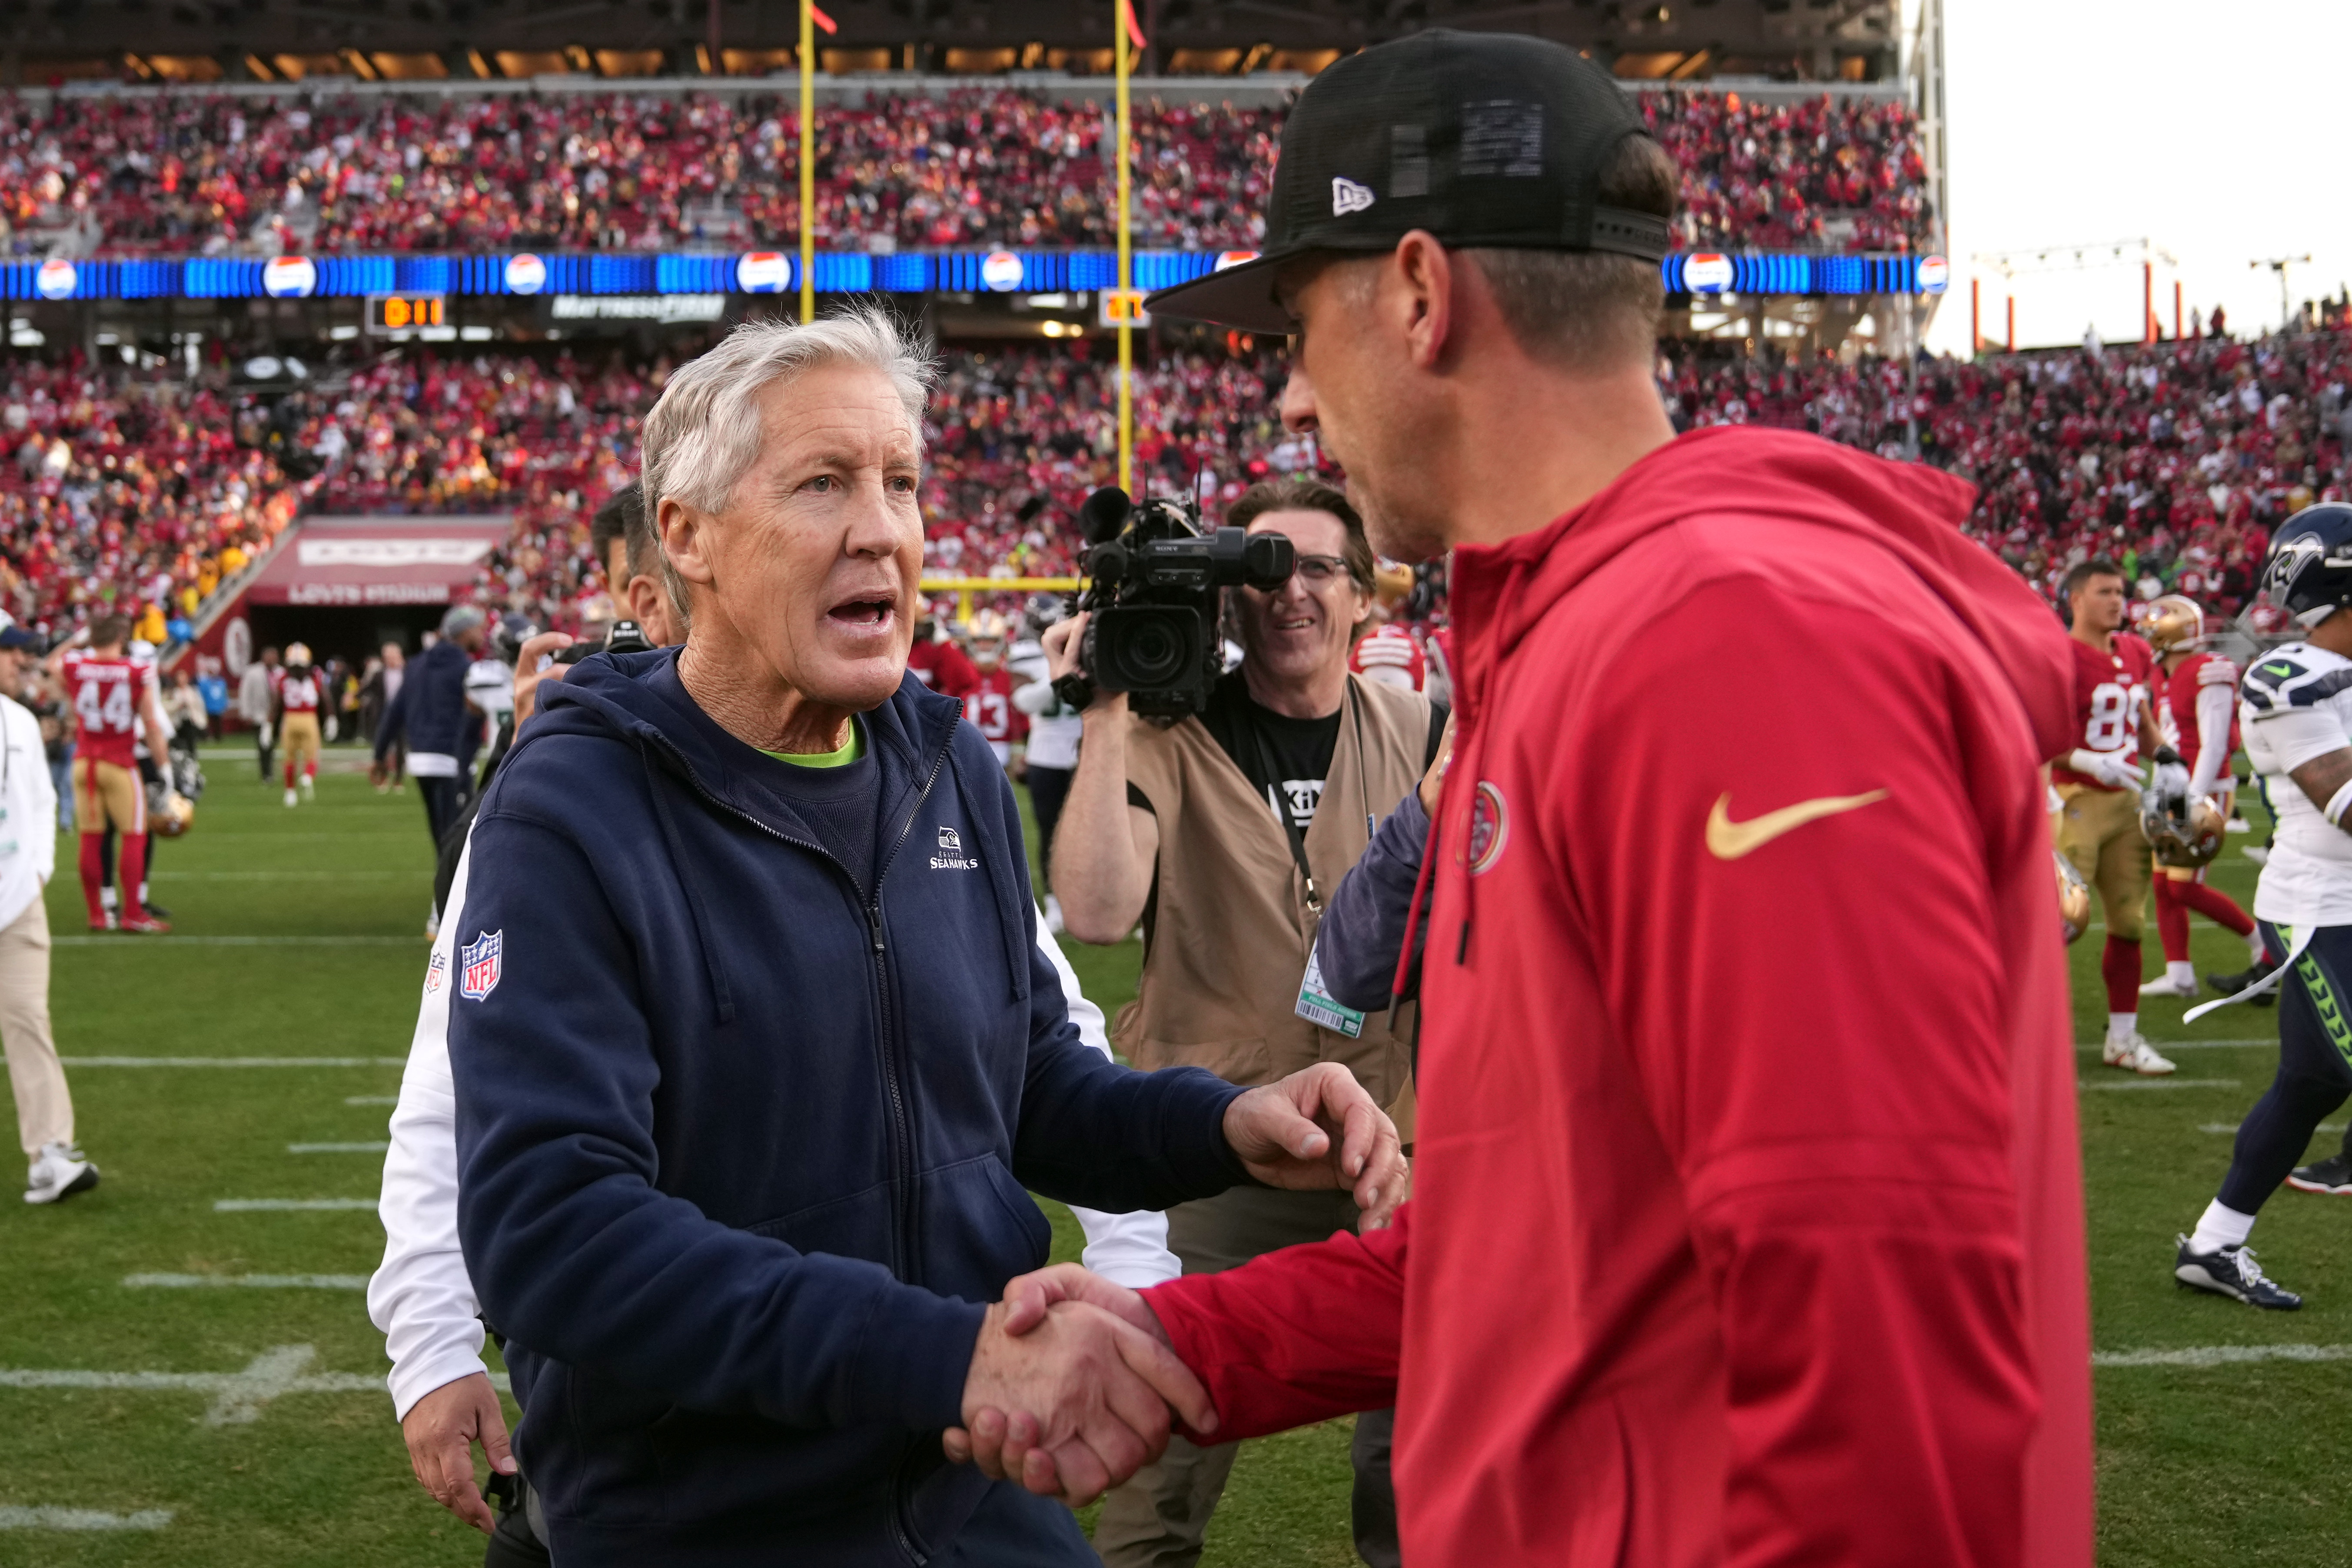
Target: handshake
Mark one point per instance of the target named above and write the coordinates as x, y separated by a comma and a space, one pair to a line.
1073, 1380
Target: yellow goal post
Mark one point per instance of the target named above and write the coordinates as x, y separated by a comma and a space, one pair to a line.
964, 588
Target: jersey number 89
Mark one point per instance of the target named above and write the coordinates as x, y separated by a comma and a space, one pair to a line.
2110, 718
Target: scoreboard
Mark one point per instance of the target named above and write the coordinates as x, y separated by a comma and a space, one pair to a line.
401, 312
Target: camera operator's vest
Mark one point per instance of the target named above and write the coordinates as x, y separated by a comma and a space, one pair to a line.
1230, 931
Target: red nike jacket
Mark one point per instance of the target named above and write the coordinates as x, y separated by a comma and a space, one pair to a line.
1747, 1224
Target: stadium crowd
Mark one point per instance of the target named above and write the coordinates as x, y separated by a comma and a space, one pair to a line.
2177, 459
209, 173
123, 489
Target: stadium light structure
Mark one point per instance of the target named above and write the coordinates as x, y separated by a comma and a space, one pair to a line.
2279, 264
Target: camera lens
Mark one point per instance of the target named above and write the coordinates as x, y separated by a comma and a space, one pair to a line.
1148, 647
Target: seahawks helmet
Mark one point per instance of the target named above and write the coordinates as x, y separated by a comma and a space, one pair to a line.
2309, 568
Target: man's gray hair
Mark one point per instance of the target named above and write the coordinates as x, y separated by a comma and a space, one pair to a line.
461, 619
704, 431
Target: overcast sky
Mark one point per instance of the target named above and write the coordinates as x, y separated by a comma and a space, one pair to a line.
2220, 132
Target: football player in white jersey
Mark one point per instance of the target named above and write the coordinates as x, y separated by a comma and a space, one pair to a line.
2296, 708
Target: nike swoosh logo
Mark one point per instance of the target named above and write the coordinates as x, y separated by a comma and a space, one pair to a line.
1728, 840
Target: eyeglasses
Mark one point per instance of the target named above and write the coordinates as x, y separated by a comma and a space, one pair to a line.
1319, 569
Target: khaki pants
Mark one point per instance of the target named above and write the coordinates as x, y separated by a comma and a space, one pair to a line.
2098, 832
44, 1108
1160, 1518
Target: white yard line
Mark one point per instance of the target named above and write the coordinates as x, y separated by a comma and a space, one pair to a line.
129, 942
247, 1281
239, 1398
371, 1099
14, 1518
2092, 1046
236, 1062
336, 1148
2232, 1127
2221, 1355
2091, 1083
288, 1206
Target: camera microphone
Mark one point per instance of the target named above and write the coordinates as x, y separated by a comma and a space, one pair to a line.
1103, 514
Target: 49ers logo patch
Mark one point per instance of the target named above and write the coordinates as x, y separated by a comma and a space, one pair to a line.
480, 962
1490, 827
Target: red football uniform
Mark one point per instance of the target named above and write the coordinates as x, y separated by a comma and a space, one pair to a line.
2180, 689
298, 693
989, 706
942, 667
1393, 656
2111, 691
108, 695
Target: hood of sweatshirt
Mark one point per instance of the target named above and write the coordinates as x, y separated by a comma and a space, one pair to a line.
1500, 591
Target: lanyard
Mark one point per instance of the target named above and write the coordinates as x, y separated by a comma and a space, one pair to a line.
1292, 832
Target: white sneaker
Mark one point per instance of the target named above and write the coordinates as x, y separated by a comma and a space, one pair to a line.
308, 784
61, 1170
2258, 854
291, 797
2166, 985
1053, 915
2237, 824
2134, 1054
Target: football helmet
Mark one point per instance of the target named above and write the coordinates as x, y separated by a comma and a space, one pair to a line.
2073, 899
2183, 833
1391, 582
170, 818
985, 636
2174, 623
2308, 569
298, 656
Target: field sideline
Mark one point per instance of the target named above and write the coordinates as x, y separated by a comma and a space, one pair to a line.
163, 1420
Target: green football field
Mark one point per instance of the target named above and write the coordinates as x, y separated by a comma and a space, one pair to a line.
203, 1421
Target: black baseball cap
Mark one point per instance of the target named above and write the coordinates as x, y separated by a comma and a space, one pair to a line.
1482, 139
13, 637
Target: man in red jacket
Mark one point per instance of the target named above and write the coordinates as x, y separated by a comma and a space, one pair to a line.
1747, 1224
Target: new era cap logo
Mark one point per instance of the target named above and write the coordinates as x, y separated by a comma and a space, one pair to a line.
1347, 197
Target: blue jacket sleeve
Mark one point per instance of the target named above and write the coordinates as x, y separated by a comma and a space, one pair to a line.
575, 1252
1363, 930
1095, 1133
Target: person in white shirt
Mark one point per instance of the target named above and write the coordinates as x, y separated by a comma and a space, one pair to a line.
28, 855
2295, 710
1054, 730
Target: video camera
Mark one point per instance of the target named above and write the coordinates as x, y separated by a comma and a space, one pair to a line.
1152, 632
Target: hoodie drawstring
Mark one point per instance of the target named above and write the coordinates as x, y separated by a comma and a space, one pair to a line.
701, 917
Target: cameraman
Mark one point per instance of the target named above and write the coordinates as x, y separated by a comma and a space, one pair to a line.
1223, 834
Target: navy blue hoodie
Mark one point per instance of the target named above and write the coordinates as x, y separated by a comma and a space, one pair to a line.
743, 1145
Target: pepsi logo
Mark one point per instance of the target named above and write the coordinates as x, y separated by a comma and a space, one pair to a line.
1001, 271
763, 273
290, 277
1708, 272
57, 279
526, 274
1935, 275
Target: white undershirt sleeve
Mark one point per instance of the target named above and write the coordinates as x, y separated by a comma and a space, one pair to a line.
2214, 705
422, 1297
2297, 735
1129, 1249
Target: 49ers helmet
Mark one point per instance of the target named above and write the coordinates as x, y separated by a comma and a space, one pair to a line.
2073, 899
2308, 570
2185, 834
298, 656
2174, 621
173, 817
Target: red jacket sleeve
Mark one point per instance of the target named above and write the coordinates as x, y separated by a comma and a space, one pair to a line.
1296, 1336
1797, 952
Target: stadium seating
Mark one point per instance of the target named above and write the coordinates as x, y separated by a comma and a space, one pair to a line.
199, 173
121, 488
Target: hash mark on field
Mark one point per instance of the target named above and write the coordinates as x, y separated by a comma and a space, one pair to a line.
283, 1206
2232, 1127
2221, 1355
138, 942
336, 1148
234, 1061
2156, 1083
371, 1099
82, 1519
241, 1396
250, 1282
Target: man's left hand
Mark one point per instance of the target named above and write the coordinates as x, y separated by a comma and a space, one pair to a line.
1319, 1128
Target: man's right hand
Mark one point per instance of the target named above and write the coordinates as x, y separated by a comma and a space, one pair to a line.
2108, 767
1089, 1390
1065, 643
441, 1430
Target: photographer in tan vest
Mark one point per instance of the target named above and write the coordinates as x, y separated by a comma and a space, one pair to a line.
1223, 834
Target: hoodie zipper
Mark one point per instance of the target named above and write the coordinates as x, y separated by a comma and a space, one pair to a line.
902, 1136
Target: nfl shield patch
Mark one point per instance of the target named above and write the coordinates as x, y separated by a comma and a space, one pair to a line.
435, 971
479, 964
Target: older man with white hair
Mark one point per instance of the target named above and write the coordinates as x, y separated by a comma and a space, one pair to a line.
755, 1051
